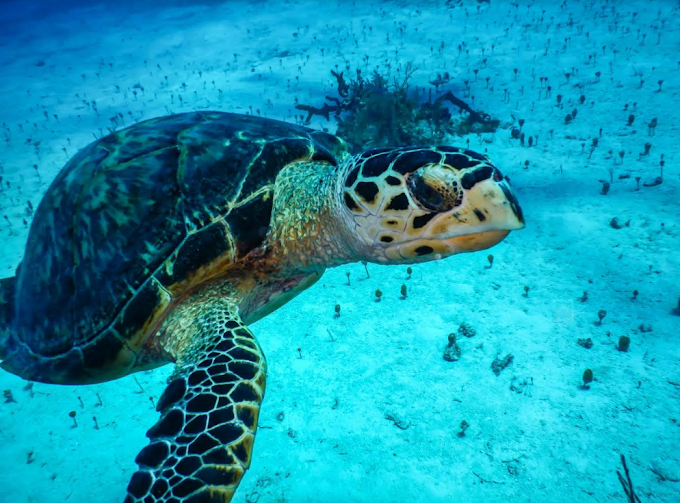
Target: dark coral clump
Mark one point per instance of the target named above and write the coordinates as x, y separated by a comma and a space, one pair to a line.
377, 112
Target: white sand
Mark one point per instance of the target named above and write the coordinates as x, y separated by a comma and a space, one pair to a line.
552, 442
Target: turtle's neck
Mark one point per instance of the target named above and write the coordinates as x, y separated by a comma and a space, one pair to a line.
308, 229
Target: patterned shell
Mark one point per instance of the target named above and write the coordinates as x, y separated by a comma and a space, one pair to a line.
141, 215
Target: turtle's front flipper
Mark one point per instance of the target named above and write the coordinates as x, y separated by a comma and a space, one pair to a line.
201, 446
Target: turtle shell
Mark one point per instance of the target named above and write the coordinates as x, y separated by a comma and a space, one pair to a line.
135, 219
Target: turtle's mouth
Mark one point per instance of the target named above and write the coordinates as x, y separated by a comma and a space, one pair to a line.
423, 249
475, 241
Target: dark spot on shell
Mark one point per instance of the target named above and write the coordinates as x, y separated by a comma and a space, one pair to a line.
249, 223
386, 239
137, 312
102, 352
479, 214
322, 154
199, 249
393, 180
265, 167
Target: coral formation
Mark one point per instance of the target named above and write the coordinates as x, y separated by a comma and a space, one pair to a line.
376, 112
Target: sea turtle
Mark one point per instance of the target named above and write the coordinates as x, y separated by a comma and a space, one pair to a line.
164, 241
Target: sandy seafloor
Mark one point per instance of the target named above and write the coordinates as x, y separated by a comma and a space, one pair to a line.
534, 435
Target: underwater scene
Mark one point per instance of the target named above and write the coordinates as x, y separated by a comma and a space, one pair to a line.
349, 251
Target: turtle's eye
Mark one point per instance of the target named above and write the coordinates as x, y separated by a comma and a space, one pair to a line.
429, 194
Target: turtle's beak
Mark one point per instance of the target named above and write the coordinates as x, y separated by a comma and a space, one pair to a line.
514, 220
495, 205
489, 212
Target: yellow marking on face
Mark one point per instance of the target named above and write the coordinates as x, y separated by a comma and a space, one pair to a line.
443, 225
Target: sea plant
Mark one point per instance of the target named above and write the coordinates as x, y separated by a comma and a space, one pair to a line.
384, 110
624, 343
587, 378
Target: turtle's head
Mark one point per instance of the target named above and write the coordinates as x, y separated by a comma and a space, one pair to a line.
415, 204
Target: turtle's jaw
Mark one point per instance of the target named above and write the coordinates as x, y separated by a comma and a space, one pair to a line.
474, 242
425, 250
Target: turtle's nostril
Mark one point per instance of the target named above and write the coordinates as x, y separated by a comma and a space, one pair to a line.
497, 175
